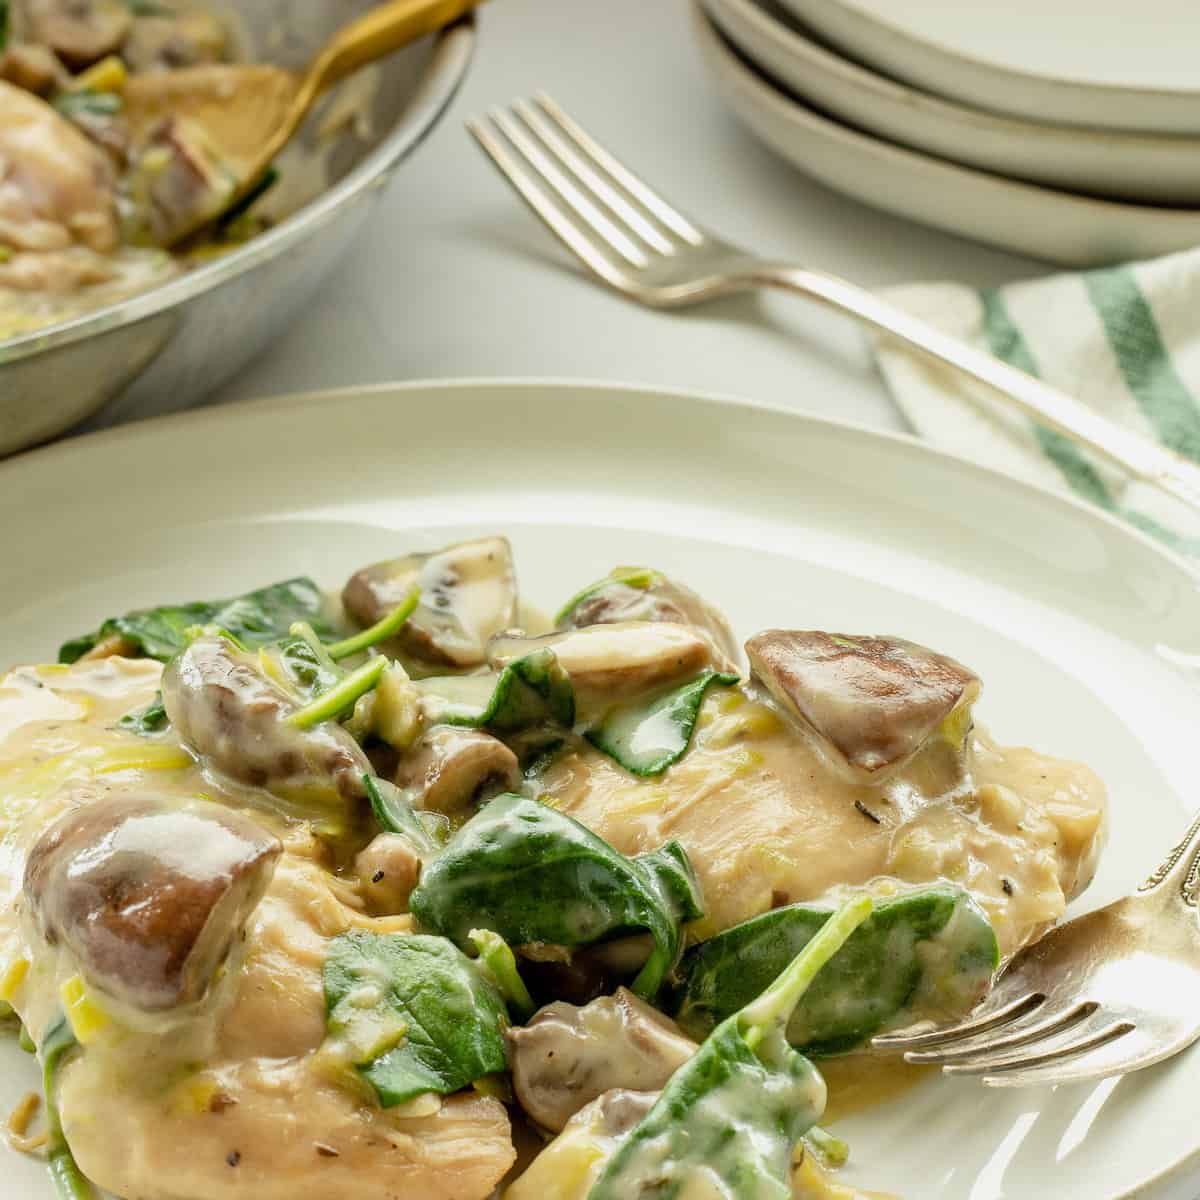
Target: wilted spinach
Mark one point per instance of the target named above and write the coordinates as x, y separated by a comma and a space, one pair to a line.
148, 720
532, 874
413, 1012
393, 813
255, 619
732, 1114
646, 737
933, 948
533, 690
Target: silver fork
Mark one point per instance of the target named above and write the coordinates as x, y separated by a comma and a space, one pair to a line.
1110, 992
636, 242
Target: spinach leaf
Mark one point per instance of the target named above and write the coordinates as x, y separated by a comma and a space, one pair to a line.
414, 1013
532, 874
146, 721
393, 813
647, 737
533, 690
303, 667
68, 1179
931, 951
729, 1119
255, 619
5, 19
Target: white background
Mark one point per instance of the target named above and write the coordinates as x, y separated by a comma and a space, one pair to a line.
455, 278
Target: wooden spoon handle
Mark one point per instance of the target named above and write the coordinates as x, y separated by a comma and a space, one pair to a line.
380, 31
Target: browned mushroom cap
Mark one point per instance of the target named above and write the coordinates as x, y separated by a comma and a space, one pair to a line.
566, 1056
614, 662
873, 700
468, 595
32, 67
148, 895
652, 597
449, 769
167, 40
80, 32
234, 717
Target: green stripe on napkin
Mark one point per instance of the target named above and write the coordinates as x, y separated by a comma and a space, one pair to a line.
1125, 340
1144, 360
1005, 341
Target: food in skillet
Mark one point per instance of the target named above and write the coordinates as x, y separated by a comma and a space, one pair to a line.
88, 199
295, 901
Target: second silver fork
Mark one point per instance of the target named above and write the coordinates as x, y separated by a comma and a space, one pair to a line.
638, 243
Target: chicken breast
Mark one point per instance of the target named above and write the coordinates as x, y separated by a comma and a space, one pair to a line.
236, 1097
767, 820
56, 187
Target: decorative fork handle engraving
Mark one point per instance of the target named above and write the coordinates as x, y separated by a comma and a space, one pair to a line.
1190, 883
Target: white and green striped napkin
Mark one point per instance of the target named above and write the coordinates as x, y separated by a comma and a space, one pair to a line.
1125, 340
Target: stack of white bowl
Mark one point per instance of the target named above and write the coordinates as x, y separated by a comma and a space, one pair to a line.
1064, 129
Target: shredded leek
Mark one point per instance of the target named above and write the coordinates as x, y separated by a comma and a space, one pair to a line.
340, 697
497, 958
87, 1019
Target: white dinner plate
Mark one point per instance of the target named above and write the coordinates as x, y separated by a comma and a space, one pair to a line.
1061, 227
1086, 634
1109, 64
1159, 168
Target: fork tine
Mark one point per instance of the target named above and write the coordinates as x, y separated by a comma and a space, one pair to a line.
1113, 1056
670, 216
608, 195
1021, 1007
544, 207
1023, 1036
998, 1065
570, 195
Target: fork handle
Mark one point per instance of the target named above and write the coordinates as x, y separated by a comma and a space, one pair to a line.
1181, 869
1128, 450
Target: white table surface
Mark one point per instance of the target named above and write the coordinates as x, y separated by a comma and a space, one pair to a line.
456, 278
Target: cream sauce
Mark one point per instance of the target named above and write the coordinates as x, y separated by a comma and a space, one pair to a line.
766, 821
232, 1099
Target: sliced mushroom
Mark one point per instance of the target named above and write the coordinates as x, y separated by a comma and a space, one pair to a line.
872, 701
468, 595
614, 662
566, 1056
639, 594
573, 1161
167, 41
56, 187
177, 181
148, 896
234, 717
32, 67
450, 769
80, 32
388, 869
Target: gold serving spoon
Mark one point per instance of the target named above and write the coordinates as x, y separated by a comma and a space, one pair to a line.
247, 112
